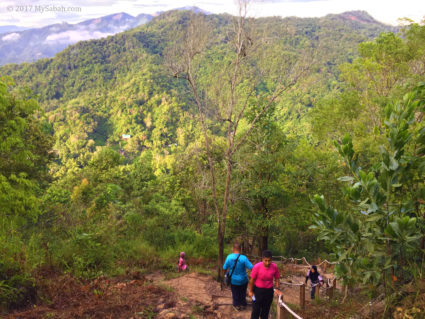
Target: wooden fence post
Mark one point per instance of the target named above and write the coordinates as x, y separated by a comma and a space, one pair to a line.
332, 289
282, 313
302, 296
329, 289
330, 292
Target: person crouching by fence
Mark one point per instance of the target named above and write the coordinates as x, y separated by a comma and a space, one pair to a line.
261, 286
315, 279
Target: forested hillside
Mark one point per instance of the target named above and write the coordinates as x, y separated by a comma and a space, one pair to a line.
113, 159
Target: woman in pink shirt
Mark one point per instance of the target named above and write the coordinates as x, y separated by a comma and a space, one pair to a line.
261, 286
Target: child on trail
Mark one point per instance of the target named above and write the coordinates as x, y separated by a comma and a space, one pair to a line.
315, 279
182, 262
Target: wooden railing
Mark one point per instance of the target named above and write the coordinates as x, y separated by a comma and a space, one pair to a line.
284, 312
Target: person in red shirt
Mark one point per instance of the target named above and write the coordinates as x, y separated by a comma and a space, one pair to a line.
261, 286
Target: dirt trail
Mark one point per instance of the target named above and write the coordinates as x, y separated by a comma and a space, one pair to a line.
137, 296
202, 297
198, 293
202, 294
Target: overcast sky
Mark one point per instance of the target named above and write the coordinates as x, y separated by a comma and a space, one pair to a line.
38, 13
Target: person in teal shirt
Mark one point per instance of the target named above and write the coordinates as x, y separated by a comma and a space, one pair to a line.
239, 280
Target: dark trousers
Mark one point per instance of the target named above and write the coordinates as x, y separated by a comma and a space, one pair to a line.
239, 294
313, 288
262, 303
313, 292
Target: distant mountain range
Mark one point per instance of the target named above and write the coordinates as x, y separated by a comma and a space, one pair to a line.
30, 45
11, 28
18, 45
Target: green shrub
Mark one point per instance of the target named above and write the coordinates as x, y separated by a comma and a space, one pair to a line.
136, 252
17, 289
85, 254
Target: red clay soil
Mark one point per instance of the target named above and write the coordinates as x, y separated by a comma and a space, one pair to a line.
64, 297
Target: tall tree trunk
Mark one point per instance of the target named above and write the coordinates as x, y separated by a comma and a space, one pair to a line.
220, 254
422, 243
265, 231
265, 240
222, 218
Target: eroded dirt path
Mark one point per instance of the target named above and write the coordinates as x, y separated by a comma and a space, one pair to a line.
198, 295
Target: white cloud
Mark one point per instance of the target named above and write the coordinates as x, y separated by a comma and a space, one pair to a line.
11, 37
69, 37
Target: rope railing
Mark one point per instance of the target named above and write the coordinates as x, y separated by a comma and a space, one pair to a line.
291, 284
329, 262
283, 310
281, 305
328, 286
293, 260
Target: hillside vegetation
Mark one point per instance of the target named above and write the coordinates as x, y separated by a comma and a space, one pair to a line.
104, 166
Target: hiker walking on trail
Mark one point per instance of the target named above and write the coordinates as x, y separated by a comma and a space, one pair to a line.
182, 262
235, 267
261, 286
315, 279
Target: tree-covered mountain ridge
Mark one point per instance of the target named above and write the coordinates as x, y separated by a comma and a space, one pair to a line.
94, 71
359, 16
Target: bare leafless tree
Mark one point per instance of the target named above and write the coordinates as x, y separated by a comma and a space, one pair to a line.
231, 92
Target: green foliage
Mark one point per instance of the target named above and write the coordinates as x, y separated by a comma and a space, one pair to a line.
262, 162
24, 155
17, 290
109, 202
381, 230
385, 70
